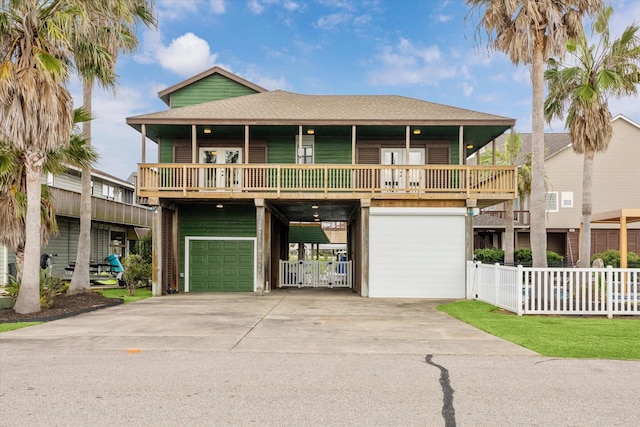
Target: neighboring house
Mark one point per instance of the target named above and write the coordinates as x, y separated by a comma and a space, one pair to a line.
238, 164
116, 221
616, 178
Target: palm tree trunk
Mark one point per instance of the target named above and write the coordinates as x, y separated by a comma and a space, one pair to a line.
538, 220
80, 280
508, 234
28, 300
587, 187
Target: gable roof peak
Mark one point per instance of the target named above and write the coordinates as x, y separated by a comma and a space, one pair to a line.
165, 93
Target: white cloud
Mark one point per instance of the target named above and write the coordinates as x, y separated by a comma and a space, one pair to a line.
467, 89
329, 22
258, 7
407, 63
186, 55
442, 18
218, 7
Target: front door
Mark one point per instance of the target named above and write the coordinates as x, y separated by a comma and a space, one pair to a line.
221, 178
397, 177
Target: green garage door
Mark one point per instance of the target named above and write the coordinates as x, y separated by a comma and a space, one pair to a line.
221, 266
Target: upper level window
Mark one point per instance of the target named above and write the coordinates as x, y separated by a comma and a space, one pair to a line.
567, 199
50, 179
108, 191
305, 153
551, 201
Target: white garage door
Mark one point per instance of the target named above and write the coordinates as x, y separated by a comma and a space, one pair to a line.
417, 252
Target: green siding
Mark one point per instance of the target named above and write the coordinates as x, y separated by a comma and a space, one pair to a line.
332, 151
212, 88
453, 152
208, 221
282, 151
165, 150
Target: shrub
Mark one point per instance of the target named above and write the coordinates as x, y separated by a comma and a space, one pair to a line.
525, 257
137, 272
50, 287
489, 256
612, 257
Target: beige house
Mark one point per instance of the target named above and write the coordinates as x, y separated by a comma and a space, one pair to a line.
616, 185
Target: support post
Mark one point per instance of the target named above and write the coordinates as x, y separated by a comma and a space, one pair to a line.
143, 132
353, 145
246, 144
194, 144
365, 206
260, 245
156, 253
461, 146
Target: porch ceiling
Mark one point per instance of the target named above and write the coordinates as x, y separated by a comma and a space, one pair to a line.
303, 211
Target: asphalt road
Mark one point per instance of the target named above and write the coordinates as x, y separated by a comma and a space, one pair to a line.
298, 360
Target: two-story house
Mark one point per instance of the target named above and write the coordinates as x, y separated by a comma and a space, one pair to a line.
238, 164
117, 222
615, 186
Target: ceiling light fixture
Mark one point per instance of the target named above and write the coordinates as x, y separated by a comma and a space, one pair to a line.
219, 206
316, 219
417, 131
469, 146
310, 131
207, 130
314, 207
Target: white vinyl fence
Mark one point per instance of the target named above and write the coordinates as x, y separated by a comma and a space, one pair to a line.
316, 274
580, 291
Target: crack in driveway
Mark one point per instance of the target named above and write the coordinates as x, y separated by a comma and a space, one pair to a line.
448, 411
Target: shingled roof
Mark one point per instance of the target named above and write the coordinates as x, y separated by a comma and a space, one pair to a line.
281, 107
553, 144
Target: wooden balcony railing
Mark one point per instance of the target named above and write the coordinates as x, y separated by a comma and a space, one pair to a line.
329, 181
67, 203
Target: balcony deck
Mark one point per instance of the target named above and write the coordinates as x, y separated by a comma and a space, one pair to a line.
67, 203
292, 181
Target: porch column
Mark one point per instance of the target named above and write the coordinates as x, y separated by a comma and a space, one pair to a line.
623, 242
156, 253
353, 145
260, 246
246, 144
407, 143
194, 144
143, 132
493, 152
267, 251
461, 151
176, 254
365, 205
299, 149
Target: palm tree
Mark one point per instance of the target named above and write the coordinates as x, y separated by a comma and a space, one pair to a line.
530, 32
509, 157
37, 50
116, 34
597, 72
13, 204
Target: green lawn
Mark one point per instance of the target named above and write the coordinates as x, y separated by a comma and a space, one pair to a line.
577, 337
123, 293
4, 327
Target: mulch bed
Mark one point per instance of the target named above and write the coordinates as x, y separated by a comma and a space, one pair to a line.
63, 306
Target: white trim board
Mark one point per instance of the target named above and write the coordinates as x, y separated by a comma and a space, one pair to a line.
188, 239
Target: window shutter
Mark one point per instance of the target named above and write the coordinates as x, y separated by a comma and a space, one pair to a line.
438, 155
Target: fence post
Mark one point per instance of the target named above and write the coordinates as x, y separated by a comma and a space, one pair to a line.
496, 282
520, 289
609, 282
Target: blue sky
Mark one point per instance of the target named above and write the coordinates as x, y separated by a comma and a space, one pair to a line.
425, 49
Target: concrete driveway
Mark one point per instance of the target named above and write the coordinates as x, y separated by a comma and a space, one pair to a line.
295, 358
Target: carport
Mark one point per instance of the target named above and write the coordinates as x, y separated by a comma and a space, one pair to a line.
622, 217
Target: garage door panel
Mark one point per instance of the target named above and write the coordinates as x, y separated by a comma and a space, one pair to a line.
417, 255
221, 265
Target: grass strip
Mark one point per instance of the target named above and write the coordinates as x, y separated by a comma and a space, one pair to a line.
123, 293
4, 327
555, 336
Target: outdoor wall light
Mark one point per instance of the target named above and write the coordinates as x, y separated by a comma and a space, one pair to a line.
417, 131
310, 131
207, 130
